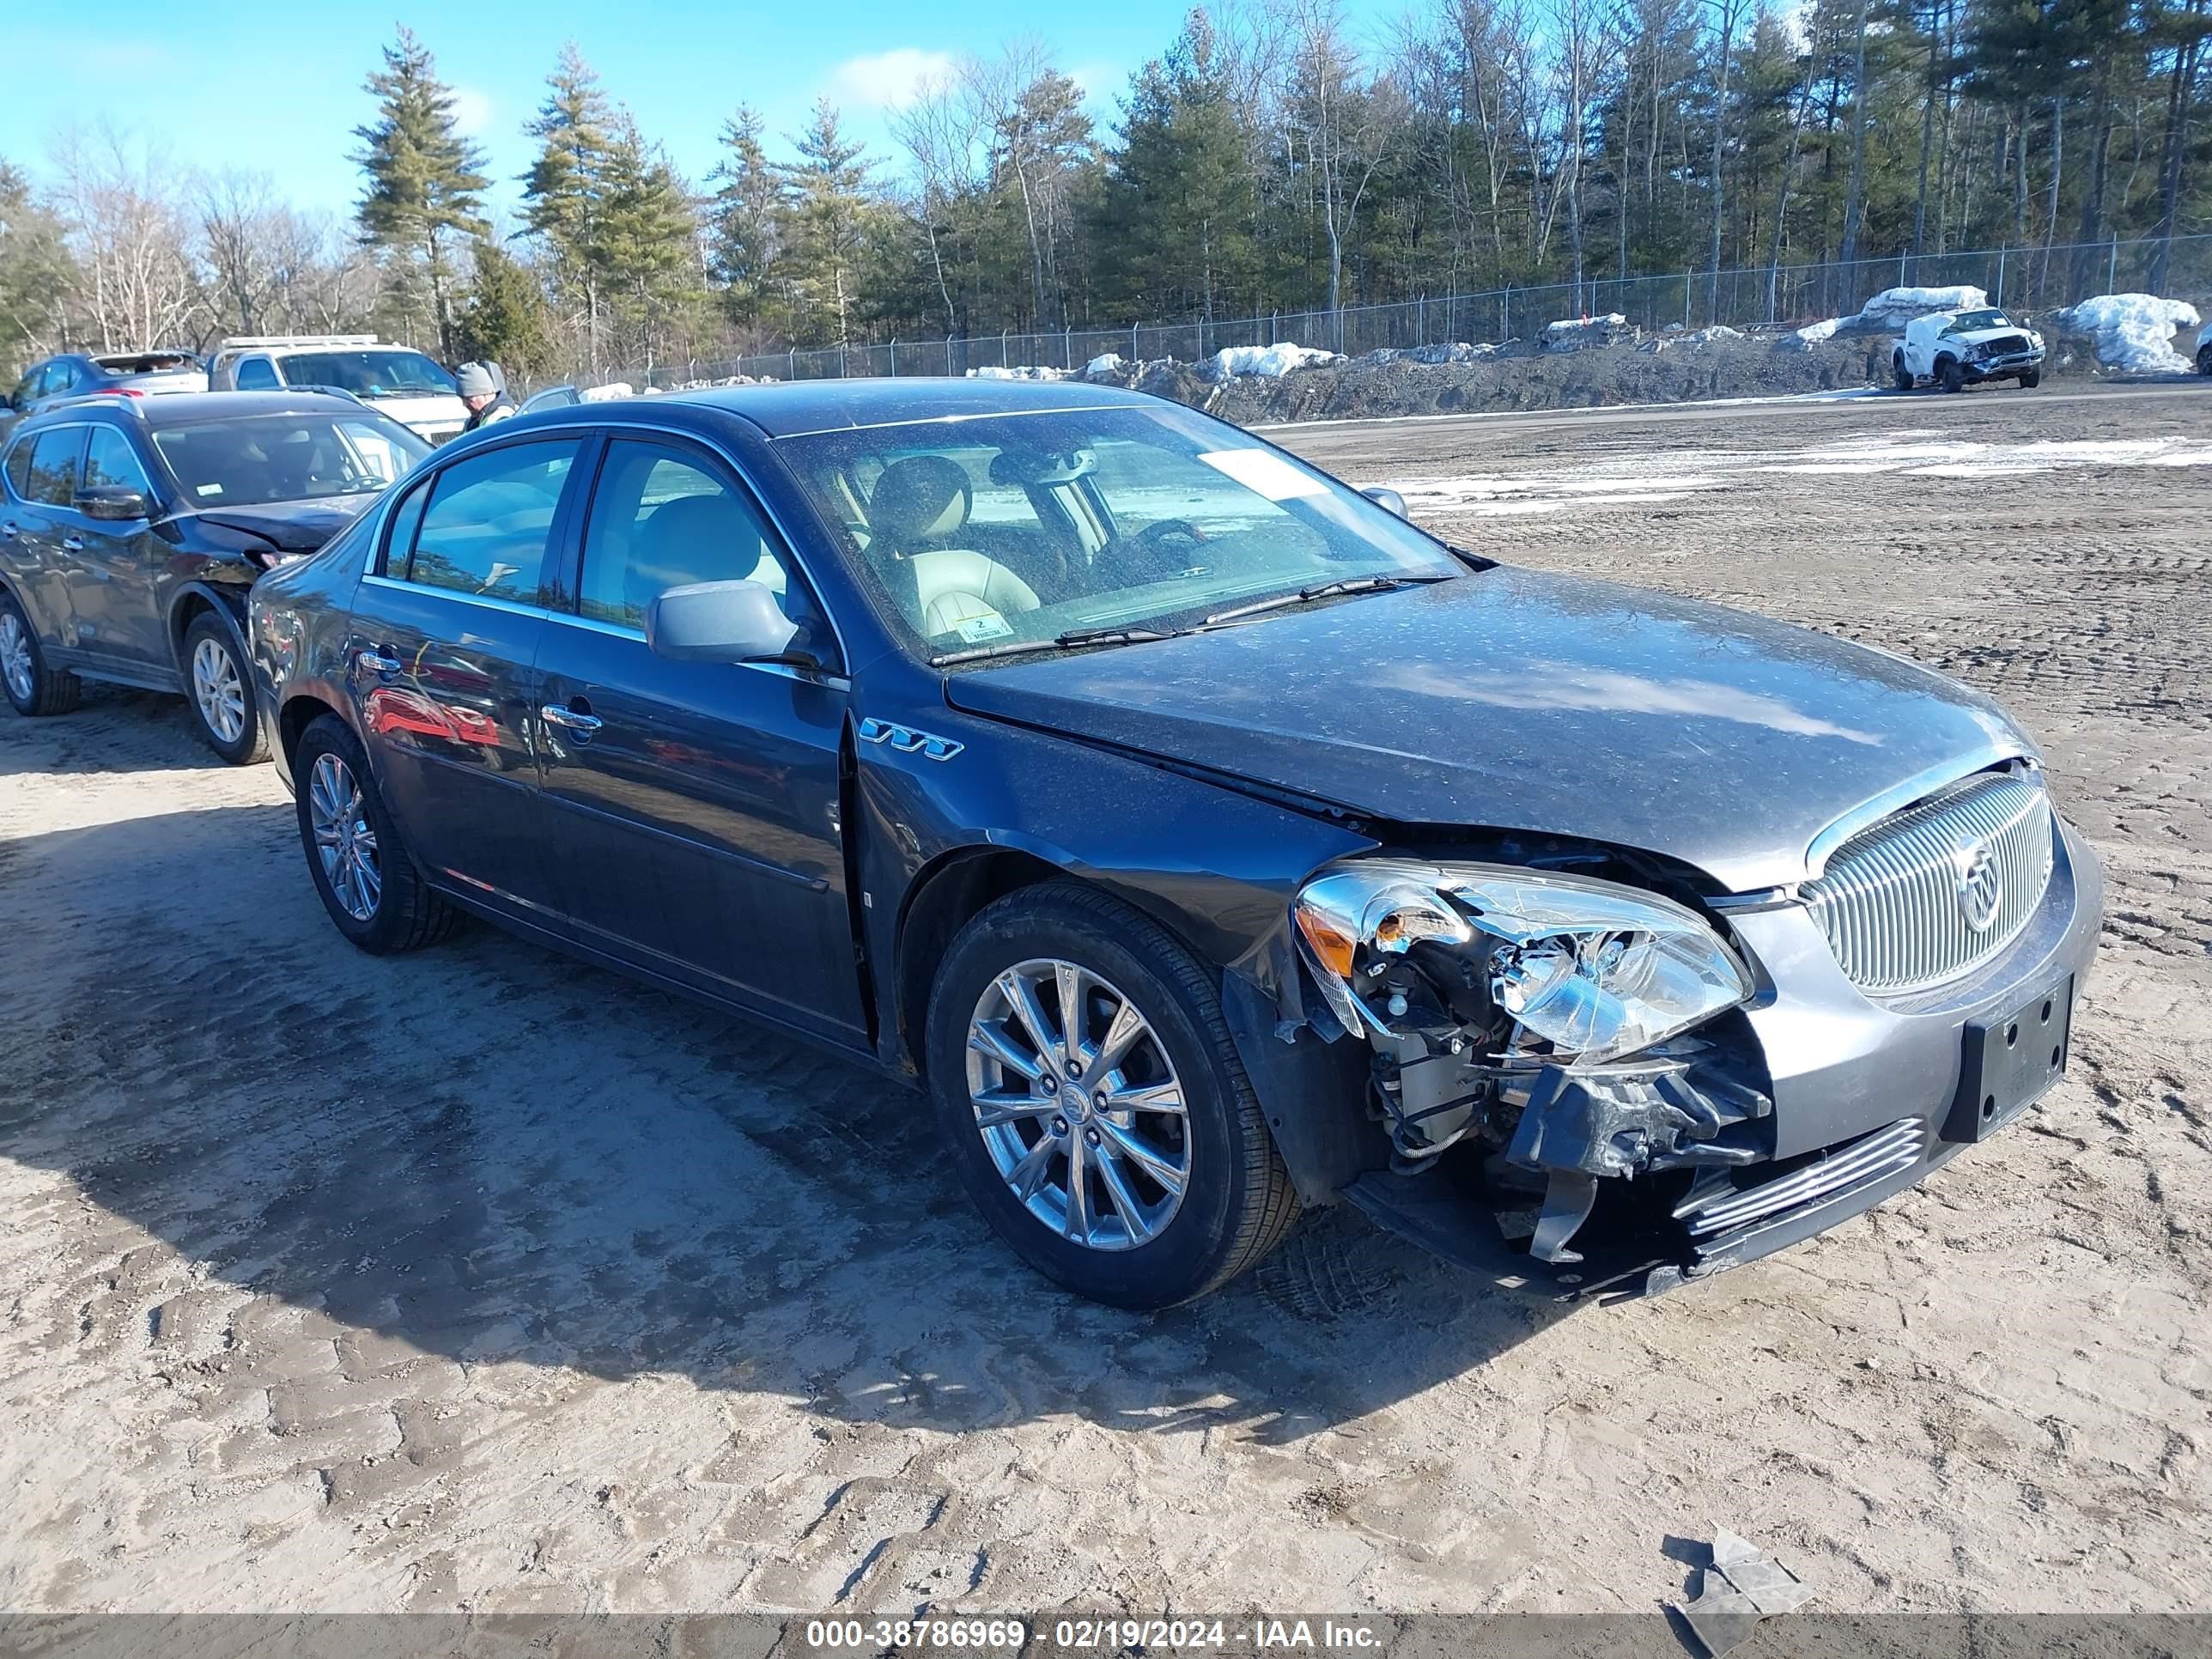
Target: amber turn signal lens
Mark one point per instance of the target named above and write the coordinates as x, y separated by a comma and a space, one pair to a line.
1332, 947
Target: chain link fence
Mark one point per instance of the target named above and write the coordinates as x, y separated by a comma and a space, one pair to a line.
2024, 279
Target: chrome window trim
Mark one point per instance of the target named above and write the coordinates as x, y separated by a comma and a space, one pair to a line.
1899, 796
783, 670
951, 420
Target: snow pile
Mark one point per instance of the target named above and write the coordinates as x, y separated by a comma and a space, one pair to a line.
1889, 311
1271, 362
1106, 363
1573, 334
607, 393
2132, 332
1026, 372
1671, 337
1456, 351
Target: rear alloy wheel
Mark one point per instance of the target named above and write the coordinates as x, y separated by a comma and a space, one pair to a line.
1092, 1097
33, 688
221, 691
1952, 374
360, 869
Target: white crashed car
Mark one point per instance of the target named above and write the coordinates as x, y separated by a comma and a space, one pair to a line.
1955, 349
2204, 350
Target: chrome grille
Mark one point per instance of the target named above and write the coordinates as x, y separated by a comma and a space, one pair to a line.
1889, 900
1882, 1153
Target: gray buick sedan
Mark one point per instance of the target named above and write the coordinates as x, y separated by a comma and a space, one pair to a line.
1206, 841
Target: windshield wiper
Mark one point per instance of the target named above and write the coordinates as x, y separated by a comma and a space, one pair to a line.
1321, 591
1073, 638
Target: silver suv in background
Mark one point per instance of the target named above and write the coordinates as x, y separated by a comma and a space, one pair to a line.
397, 381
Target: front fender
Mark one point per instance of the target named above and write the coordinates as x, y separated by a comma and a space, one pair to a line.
1216, 868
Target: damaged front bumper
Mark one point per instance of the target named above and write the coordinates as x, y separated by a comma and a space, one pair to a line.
1810, 1105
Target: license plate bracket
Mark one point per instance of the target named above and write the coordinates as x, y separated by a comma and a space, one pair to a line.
2009, 1060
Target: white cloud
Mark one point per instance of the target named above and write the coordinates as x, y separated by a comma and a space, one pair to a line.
886, 78
471, 112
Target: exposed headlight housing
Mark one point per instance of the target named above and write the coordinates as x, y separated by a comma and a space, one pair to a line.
1595, 970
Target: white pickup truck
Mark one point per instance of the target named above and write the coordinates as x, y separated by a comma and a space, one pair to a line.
1955, 349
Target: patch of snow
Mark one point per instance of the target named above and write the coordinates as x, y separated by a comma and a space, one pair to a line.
2133, 332
1573, 333
1270, 362
1893, 308
1457, 351
1106, 363
607, 393
1026, 372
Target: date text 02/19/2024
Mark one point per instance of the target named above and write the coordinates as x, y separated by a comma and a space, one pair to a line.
988, 1634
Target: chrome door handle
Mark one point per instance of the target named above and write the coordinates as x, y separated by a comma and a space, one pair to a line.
7, 530
568, 720
74, 544
377, 663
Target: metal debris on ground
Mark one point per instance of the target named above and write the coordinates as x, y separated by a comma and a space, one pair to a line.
1740, 1587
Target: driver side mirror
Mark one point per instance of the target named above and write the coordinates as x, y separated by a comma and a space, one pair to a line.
113, 502
1389, 500
727, 621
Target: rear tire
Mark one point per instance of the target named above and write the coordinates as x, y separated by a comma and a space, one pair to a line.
1233, 1200
2031, 380
1951, 374
360, 867
1903, 375
219, 690
34, 687
2204, 361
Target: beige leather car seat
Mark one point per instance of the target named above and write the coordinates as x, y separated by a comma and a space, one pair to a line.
918, 505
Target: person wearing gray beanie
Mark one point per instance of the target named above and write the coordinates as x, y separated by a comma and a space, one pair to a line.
484, 394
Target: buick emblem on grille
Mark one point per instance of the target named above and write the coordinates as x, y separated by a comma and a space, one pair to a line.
1981, 885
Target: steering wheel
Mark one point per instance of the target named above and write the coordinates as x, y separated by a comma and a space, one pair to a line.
1135, 559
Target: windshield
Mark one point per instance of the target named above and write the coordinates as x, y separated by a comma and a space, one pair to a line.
1966, 322
1016, 529
375, 373
285, 457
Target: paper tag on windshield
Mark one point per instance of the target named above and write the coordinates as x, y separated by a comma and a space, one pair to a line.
978, 630
1264, 473
207, 490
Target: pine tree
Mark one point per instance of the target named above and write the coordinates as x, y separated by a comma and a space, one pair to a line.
742, 231
827, 216
1177, 214
505, 320
35, 275
564, 192
646, 251
425, 186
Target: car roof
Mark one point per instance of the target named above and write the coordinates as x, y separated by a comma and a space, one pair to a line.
190, 408
792, 409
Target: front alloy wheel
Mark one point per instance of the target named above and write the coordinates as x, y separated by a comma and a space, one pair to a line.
1094, 1101
220, 694
218, 690
1078, 1104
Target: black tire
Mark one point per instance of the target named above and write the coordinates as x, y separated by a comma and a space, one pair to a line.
2204, 361
1903, 376
1237, 1201
51, 690
407, 913
207, 633
1951, 374
2031, 380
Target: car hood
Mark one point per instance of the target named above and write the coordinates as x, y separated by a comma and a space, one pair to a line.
291, 526
1514, 700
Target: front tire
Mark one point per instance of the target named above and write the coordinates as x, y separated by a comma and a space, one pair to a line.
1952, 374
1087, 1085
219, 688
34, 688
2031, 380
2204, 361
360, 867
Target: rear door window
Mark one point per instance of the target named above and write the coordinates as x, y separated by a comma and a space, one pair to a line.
489, 521
55, 458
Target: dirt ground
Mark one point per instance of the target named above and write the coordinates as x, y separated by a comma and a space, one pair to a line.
481, 1279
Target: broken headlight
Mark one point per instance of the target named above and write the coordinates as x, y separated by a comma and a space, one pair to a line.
1593, 970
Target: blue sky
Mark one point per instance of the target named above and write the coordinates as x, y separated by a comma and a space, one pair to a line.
276, 87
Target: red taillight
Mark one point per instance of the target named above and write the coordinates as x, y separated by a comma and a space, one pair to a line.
118, 391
